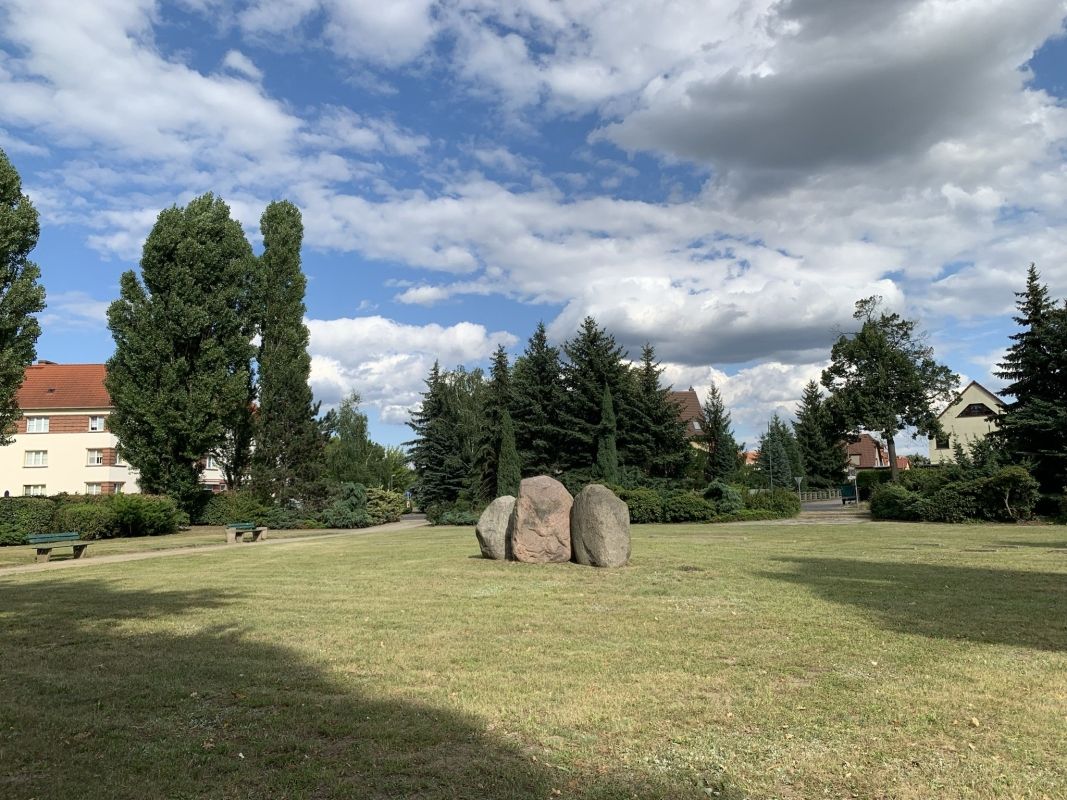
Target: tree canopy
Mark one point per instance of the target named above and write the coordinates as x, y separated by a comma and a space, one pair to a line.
884, 377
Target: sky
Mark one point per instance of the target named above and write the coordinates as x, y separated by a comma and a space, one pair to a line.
721, 178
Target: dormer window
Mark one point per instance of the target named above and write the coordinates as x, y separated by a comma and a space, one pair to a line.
976, 410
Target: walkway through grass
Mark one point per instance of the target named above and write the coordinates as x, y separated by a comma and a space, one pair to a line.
883, 660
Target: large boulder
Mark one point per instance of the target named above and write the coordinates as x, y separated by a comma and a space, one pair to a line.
540, 528
600, 528
492, 527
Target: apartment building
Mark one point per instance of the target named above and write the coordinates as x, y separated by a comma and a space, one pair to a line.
62, 443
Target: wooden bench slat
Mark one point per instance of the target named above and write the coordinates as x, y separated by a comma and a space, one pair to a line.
44, 538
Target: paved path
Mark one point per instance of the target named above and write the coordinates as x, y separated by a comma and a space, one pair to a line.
208, 549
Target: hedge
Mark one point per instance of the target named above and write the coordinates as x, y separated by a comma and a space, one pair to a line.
238, 506
1008, 495
893, 501
782, 502
20, 516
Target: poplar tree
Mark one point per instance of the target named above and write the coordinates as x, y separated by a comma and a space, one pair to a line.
538, 397
723, 456
1033, 427
21, 296
183, 330
607, 456
287, 464
821, 445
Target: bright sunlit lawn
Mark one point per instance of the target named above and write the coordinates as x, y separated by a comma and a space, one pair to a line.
870, 661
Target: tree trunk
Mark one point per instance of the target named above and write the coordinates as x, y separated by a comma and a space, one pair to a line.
893, 472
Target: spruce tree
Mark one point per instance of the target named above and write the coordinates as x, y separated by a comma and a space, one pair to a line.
287, 464
182, 332
594, 360
775, 460
821, 444
607, 456
537, 388
1033, 427
723, 458
657, 446
20, 294
509, 468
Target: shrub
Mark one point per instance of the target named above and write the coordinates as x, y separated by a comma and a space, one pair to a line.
646, 505
686, 507
384, 506
348, 508
867, 479
1008, 495
747, 515
726, 498
893, 501
239, 506
20, 516
457, 516
144, 514
782, 502
953, 503
90, 520
925, 480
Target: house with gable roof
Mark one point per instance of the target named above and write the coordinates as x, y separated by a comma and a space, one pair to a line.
970, 417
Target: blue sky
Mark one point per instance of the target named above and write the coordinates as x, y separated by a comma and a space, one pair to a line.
723, 179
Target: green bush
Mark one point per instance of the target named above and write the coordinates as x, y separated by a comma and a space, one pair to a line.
686, 507
348, 508
457, 516
20, 516
867, 479
646, 505
144, 514
726, 498
239, 506
953, 503
925, 480
89, 520
747, 515
893, 501
1008, 495
782, 502
384, 506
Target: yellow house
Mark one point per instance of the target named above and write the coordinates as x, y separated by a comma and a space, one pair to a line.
970, 417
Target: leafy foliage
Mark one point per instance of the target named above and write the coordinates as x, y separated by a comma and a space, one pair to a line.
180, 373
884, 377
726, 498
20, 294
780, 501
384, 506
20, 516
348, 508
235, 506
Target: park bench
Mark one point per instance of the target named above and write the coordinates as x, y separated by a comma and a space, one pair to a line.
235, 532
46, 542
848, 494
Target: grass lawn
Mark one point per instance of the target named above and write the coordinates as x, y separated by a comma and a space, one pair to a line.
763, 661
199, 536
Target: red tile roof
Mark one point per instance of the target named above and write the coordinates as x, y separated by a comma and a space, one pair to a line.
48, 385
870, 451
689, 410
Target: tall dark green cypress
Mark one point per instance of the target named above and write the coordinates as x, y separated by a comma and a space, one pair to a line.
607, 456
1033, 427
594, 360
537, 382
779, 457
183, 347
821, 445
722, 459
21, 296
509, 468
498, 400
288, 461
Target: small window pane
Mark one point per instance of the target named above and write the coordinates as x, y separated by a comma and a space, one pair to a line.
36, 424
36, 458
93, 488
33, 490
96, 458
96, 423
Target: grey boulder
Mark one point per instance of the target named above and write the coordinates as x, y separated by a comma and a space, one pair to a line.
600, 528
492, 527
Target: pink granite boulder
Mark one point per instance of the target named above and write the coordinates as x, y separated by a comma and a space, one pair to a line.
539, 531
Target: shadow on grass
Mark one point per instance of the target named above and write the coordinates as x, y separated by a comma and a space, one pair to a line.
992, 606
1042, 545
95, 706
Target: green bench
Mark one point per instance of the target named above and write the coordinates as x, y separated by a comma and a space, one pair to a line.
848, 494
46, 542
235, 532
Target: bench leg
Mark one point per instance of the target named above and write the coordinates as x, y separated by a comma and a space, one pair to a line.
79, 549
259, 534
231, 536
43, 554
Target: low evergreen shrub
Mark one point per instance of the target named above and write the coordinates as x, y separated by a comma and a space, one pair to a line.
893, 501
727, 499
238, 506
646, 505
867, 479
782, 502
89, 520
385, 506
681, 506
20, 516
953, 503
348, 509
144, 514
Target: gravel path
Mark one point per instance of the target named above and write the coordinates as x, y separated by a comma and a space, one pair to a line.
210, 549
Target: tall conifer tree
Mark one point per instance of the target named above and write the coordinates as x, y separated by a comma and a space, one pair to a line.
723, 458
182, 346
657, 446
509, 468
821, 445
287, 464
498, 400
21, 296
538, 402
607, 456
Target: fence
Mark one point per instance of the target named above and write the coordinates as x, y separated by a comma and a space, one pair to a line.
821, 494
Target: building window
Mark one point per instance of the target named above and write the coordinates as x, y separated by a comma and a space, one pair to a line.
119, 460
36, 424
942, 444
96, 458
976, 410
211, 463
33, 490
96, 424
94, 488
696, 426
118, 487
36, 458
